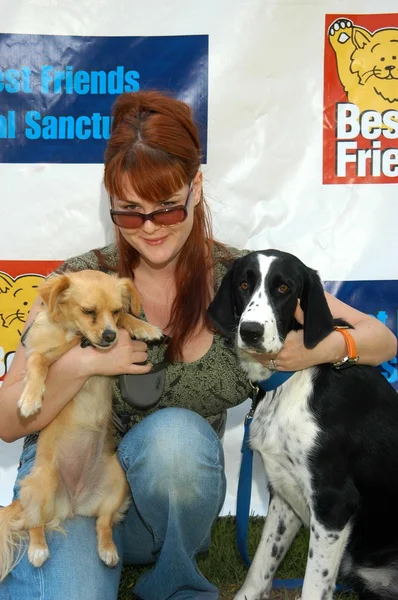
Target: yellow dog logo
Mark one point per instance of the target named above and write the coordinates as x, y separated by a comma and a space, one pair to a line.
367, 65
16, 298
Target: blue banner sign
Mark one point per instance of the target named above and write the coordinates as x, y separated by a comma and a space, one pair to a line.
56, 91
377, 298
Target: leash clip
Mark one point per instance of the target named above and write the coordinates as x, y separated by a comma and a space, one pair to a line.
250, 414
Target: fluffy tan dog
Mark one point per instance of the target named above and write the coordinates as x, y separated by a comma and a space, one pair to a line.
76, 470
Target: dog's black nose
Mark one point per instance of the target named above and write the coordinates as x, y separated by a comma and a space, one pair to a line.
251, 332
108, 335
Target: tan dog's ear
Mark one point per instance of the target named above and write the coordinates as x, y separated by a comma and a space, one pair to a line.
51, 289
131, 297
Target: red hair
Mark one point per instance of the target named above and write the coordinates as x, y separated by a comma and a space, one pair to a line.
154, 143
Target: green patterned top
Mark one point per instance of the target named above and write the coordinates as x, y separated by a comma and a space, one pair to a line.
207, 386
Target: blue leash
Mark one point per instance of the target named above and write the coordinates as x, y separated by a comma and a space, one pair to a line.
246, 470
245, 485
244, 493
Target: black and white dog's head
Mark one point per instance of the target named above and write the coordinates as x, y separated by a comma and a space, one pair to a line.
258, 298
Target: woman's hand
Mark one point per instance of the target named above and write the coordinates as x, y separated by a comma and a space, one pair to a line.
117, 360
294, 356
374, 341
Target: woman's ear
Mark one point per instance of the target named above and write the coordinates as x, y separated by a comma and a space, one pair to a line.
318, 320
221, 310
52, 290
130, 295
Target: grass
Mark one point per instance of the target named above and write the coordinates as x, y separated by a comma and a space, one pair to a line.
223, 566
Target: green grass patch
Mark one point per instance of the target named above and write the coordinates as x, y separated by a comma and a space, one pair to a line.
222, 565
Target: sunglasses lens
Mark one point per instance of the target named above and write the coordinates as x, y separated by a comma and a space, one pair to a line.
171, 217
166, 218
127, 221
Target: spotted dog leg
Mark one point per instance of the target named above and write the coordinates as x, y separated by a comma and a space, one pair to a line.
281, 527
324, 557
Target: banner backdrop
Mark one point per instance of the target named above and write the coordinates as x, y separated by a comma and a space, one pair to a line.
297, 107
58, 89
361, 100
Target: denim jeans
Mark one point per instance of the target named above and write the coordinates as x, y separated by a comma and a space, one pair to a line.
174, 464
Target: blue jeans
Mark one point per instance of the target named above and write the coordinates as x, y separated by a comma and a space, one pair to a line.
174, 464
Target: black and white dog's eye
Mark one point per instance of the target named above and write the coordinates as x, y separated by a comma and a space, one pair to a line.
283, 288
244, 286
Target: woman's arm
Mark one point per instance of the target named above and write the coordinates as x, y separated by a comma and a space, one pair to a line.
375, 342
65, 379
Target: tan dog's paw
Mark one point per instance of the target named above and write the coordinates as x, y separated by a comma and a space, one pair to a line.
38, 555
147, 332
108, 554
138, 329
30, 402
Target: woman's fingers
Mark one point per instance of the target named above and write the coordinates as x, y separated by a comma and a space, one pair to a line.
139, 357
134, 369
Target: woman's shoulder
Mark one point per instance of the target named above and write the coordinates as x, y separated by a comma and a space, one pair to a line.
226, 252
99, 259
223, 257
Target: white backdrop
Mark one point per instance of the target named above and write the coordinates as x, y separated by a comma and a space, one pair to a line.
263, 176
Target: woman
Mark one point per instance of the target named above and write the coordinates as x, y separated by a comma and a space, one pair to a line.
173, 458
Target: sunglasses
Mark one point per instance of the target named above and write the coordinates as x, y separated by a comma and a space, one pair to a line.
164, 217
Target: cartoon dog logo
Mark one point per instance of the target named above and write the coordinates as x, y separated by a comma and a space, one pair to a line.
16, 298
367, 64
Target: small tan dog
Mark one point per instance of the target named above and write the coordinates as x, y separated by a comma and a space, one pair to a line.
76, 470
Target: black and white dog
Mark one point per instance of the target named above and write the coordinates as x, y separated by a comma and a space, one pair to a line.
328, 438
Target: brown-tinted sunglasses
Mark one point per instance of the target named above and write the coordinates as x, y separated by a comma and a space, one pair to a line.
164, 217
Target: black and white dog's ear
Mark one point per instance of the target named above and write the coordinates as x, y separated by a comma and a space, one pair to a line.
221, 310
318, 320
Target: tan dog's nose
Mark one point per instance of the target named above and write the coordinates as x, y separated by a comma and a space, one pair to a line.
108, 335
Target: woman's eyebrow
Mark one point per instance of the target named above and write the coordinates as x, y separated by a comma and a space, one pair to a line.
128, 201
167, 199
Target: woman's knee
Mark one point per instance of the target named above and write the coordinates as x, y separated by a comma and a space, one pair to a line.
174, 448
